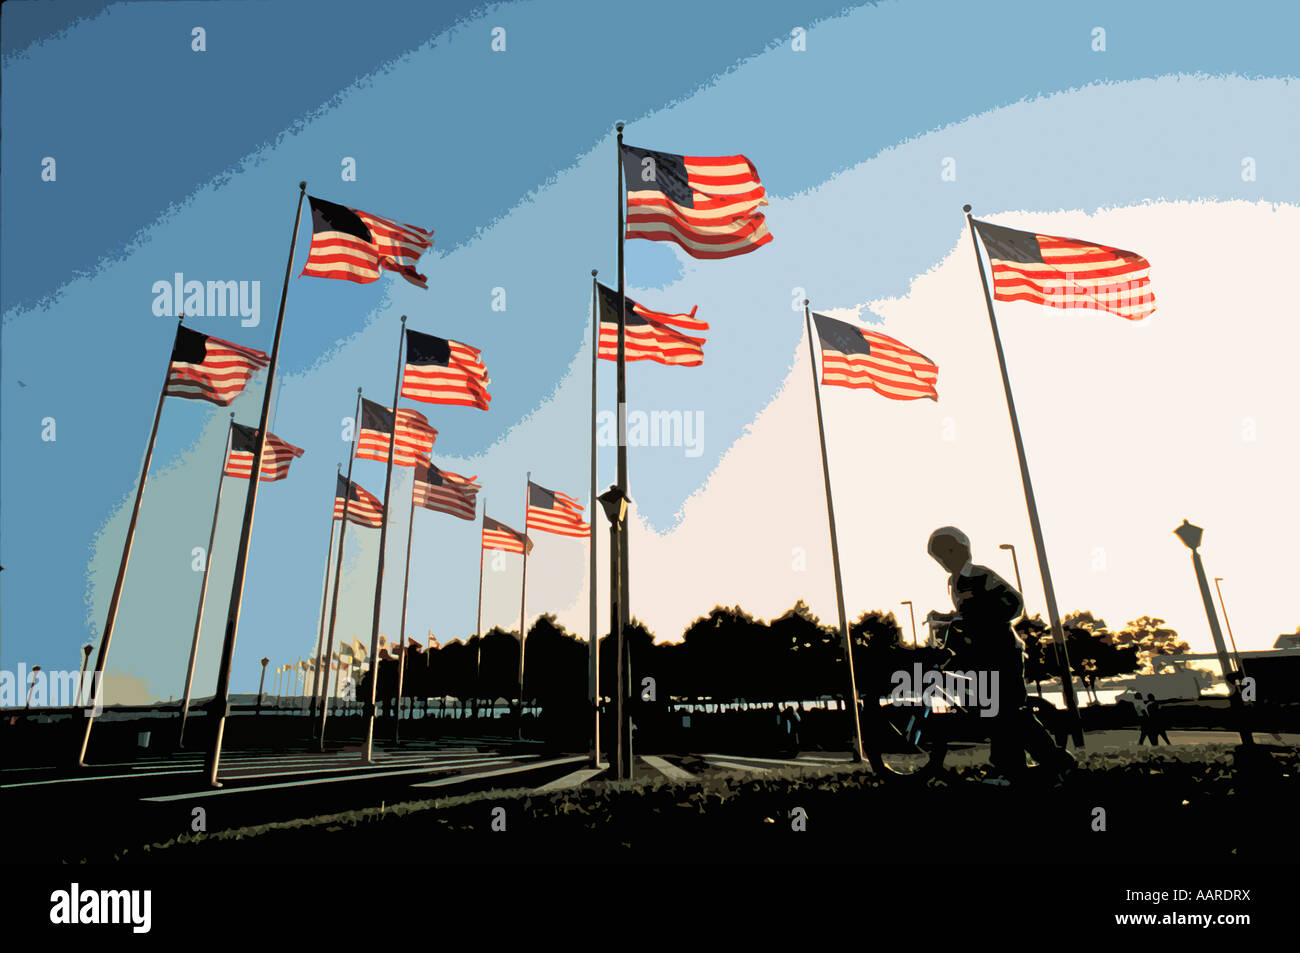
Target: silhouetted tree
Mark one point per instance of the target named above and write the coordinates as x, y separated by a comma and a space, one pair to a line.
1150, 637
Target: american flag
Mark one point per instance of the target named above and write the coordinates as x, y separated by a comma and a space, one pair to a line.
647, 336
386, 651
433, 642
208, 368
497, 535
856, 357
444, 491
276, 456
364, 508
354, 245
554, 512
706, 204
414, 435
358, 650
413, 645
1067, 273
439, 371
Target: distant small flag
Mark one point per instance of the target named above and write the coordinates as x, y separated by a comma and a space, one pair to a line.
355, 245
433, 642
208, 368
414, 435
364, 508
444, 491
647, 336
302, 664
856, 357
276, 456
554, 512
358, 650
345, 653
385, 650
440, 371
497, 535
1067, 273
413, 645
706, 204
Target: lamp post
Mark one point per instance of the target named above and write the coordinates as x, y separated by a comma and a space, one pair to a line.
1014, 565
614, 502
261, 684
1191, 538
36, 671
85, 661
912, 613
1236, 656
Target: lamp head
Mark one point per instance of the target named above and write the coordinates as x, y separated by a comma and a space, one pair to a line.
614, 503
1190, 535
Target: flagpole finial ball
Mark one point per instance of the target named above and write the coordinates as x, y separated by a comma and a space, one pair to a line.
806, 302
965, 208
593, 272
618, 126
302, 186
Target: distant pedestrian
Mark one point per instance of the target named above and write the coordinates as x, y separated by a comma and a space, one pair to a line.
1144, 719
1155, 721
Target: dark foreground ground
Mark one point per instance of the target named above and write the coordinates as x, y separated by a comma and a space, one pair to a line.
1190, 805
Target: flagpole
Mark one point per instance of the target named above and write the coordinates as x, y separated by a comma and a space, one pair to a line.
624, 587
107, 637
324, 601
1049, 592
478, 619
523, 593
221, 700
338, 566
203, 588
383, 536
593, 636
835, 546
406, 585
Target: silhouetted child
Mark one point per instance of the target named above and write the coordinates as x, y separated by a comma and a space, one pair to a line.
981, 634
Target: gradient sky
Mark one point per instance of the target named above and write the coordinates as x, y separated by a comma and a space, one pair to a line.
181, 161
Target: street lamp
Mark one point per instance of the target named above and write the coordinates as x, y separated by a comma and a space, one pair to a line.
261, 684
36, 670
1015, 565
1191, 538
85, 660
908, 603
1236, 656
614, 502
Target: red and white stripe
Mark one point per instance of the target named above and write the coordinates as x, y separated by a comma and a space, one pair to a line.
892, 369
414, 440
464, 381
723, 222
225, 370
496, 535
367, 510
564, 520
458, 496
276, 457
656, 340
395, 247
1077, 274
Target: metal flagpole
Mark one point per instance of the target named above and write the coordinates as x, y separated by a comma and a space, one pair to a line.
383, 536
107, 637
1058, 634
593, 634
324, 602
338, 566
406, 585
203, 588
835, 546
624, 588
523, 593
221, 700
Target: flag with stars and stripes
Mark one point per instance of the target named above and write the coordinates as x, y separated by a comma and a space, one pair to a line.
708, 205
414, 435
1066, 272
354, 245
276, 455
648, 335
554, 512
497, 535
208, 368
444, 491
858, 357
439, 371
364, 508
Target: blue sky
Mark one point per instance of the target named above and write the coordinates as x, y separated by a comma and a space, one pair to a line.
184, 161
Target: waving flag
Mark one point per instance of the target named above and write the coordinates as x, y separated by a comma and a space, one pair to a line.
647, 336
276, 456
1066, 272
208, 368
354, 245
414, 435
706, 204
364, 508
856, 357
358, 650
497, 535
413, 645
433, 642
444, 491
439, 371
386, 651
554, 512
